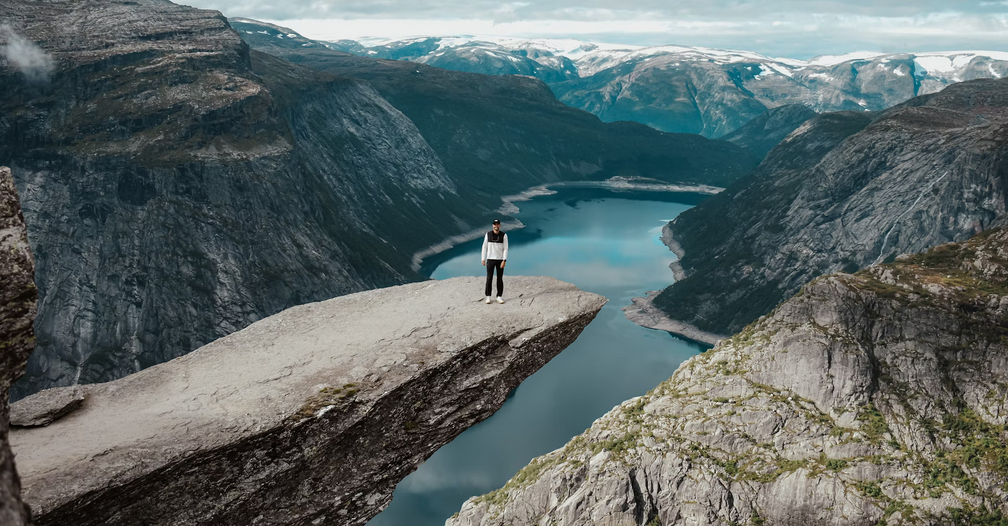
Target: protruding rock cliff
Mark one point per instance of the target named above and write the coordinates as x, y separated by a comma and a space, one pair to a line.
310, 416
17, 337
874, 398
843, 191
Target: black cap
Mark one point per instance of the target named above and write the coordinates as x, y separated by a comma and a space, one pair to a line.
496, 221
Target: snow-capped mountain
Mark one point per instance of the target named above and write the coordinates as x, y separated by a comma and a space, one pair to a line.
691, 89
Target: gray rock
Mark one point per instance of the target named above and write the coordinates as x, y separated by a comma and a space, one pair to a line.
17, 339
867, 398
45, 407
310, 416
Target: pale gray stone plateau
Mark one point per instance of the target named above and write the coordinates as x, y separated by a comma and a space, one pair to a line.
309, 416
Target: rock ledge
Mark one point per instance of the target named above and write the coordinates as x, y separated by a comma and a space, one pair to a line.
309, 416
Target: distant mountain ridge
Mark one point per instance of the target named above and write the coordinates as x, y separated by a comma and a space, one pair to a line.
693, 89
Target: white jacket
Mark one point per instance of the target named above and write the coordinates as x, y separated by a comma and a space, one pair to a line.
496, 249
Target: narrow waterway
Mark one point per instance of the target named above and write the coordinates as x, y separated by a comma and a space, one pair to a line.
603, 242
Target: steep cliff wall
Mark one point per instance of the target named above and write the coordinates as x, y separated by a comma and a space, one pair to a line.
17, 339
874, 398
310, 416
178, 187
843, 191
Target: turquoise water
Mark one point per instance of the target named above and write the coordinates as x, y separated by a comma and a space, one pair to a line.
603, 242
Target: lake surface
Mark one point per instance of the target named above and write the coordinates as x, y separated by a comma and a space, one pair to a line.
603, 242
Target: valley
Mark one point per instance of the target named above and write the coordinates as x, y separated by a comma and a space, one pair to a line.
240, 280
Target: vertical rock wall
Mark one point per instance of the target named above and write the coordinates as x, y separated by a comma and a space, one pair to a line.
17, 338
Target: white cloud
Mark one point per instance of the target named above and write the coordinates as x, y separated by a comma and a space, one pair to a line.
25, 56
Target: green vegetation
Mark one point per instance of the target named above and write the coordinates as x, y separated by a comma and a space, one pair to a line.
873, 425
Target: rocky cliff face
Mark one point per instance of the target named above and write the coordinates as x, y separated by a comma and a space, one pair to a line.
762, 133
310, 416
178, 187
843, 191
17, 339
874, 398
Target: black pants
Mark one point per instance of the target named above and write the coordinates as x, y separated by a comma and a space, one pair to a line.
491, 265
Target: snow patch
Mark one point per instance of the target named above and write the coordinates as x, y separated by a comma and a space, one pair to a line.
899, 72
833, 60
780, 69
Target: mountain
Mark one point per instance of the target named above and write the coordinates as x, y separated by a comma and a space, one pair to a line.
501, 134
874, 398
693, 89
762, 133
178, 186
844, 191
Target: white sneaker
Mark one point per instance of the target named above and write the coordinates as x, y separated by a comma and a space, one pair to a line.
499, 300
488, 300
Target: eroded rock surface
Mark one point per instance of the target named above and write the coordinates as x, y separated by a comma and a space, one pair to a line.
46, 407
873, 398
310, 416
17, 337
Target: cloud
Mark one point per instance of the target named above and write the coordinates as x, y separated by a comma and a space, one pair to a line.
792, 28
24, 56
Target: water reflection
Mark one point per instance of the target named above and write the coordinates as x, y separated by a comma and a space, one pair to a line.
602, 242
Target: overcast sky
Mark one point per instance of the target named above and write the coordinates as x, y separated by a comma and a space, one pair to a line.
784, 28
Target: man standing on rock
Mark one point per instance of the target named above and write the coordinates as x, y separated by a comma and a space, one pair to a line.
494, 256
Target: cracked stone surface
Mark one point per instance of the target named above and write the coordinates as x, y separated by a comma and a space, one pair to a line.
874, 398
310, 416
17, 337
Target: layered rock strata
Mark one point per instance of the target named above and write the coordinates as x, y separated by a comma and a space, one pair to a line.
873, 398
841, 192
310, 416
178, 187
17, 337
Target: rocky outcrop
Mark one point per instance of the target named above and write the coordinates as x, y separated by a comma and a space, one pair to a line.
761, 134
874, 398
17, 338
843, 191
310, 416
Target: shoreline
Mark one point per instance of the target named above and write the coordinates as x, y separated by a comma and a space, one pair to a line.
450, 242
510, 208
643, 312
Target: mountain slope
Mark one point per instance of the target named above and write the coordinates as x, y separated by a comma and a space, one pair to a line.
843, 191
764, 132
177, 187
497, 135
875, 398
